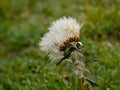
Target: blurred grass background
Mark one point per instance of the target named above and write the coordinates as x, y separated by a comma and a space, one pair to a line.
22, 24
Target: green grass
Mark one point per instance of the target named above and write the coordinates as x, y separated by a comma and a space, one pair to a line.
22, 24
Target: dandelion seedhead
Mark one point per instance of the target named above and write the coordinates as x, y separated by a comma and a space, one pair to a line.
63, 33
62, 41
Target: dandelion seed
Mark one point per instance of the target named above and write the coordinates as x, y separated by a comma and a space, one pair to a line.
62, 33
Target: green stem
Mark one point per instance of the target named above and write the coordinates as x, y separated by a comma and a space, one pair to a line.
81, 83
76, 65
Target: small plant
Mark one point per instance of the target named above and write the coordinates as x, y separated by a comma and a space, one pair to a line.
63, 42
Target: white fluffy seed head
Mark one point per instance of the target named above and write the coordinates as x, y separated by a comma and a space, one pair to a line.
60, 31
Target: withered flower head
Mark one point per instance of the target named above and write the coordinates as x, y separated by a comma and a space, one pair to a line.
62, 33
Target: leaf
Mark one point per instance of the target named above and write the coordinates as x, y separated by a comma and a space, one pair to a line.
92, 81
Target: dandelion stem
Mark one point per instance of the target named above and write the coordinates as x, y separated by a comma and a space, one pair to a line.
81, 83
78, 69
